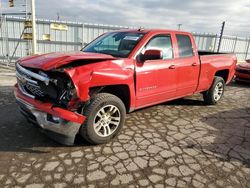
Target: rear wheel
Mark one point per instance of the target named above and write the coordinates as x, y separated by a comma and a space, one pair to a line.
105, 118
216, 91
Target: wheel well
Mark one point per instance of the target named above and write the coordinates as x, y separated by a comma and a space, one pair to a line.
223, 74
121, 91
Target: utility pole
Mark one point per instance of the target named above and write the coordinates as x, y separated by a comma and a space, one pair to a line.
179, 26
221, 35
34, 41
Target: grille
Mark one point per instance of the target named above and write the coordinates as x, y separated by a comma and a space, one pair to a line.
28, 85
34, 89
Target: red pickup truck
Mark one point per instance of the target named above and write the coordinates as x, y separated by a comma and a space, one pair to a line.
90, 91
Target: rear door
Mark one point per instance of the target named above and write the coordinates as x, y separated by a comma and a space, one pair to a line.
155, 80
187, 65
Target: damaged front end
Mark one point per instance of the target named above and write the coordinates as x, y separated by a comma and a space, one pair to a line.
49, 99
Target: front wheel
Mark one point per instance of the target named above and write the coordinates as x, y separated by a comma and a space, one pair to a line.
105, 118
216, 91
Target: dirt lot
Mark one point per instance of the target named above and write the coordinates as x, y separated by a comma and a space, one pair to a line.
178, 144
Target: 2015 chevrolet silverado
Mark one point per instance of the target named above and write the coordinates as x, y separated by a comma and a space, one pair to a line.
90, 91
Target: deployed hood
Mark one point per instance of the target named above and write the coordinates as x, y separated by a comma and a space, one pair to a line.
245, 65
56, 60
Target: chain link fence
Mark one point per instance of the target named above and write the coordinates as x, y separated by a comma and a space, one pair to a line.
70, 36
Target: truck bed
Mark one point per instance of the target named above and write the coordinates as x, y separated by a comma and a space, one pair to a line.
213, 61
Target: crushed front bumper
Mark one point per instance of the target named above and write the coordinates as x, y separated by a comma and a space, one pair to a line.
60, 124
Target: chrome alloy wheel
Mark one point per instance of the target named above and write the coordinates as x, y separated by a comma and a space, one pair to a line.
218, 91
107, 120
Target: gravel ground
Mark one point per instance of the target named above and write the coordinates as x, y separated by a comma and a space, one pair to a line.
177, 144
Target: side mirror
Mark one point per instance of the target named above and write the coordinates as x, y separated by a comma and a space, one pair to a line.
151, 55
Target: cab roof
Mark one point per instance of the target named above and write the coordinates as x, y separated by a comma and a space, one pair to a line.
152, 31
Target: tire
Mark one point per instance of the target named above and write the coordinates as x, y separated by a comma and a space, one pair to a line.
104, 110
216, 91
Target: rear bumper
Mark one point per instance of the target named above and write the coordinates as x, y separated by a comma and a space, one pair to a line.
62, 125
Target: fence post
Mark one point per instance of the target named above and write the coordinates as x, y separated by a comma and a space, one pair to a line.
83, 35
235, 42
248, 45
221, 35
6, 40
215, 41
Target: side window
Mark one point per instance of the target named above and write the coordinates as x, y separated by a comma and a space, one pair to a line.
184, 46
162, 43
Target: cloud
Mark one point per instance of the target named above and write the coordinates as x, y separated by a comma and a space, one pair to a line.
195, 15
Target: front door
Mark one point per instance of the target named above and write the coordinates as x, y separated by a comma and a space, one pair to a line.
156, 79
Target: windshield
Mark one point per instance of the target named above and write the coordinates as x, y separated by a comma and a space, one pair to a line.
117, 44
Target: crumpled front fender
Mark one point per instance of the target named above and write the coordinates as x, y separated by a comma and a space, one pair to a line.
81, 79
84, 79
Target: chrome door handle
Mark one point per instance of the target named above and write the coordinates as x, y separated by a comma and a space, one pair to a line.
171, 67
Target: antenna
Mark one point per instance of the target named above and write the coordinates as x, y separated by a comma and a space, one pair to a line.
179, 26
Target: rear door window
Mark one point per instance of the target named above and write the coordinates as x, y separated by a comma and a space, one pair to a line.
184, 46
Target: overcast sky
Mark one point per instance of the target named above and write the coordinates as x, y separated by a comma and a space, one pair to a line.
194, 15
